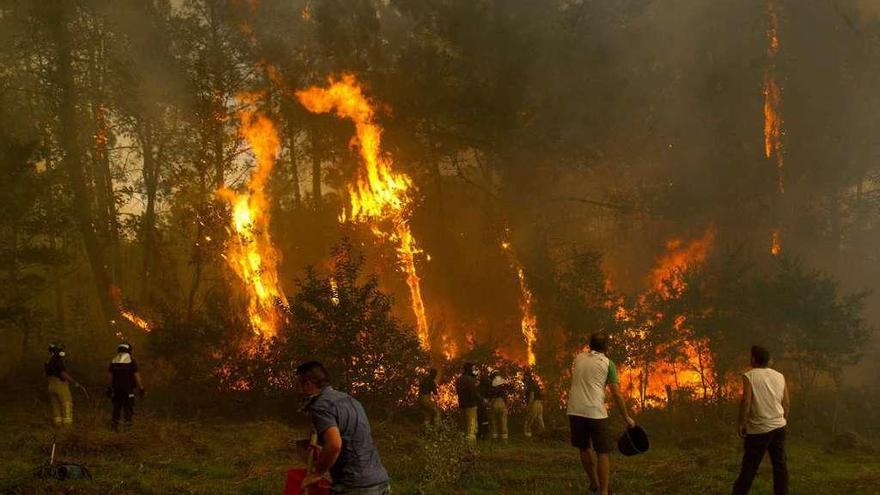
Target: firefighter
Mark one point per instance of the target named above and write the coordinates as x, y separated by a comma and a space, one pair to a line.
124, 379
59, 387
500, 388
534, 404
427, 398
468, 400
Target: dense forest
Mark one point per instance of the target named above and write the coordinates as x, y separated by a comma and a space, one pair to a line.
691, 177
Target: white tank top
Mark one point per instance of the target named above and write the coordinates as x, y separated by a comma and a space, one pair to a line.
768, 388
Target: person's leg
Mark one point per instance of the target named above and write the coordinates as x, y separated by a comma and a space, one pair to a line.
754, 447
539, 415
530, 415
55, 403
493, 420
503, 420
129, 410
426, 409
589, 464
470, 421
776, 449
117, 410
435, 409
66, 405
603, 471
603, 444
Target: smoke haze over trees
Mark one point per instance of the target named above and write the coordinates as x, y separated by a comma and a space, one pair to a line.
592, 136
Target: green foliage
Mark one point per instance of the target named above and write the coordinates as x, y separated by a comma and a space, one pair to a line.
446, 457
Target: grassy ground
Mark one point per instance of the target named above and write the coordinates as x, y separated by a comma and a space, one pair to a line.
164, 456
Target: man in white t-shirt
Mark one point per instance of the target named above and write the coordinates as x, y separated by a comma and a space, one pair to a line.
763, 414
587, 414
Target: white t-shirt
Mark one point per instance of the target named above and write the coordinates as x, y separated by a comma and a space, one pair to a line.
590, 372
768, 388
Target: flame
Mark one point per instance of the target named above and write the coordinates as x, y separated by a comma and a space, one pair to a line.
334, 292
249, 250
450, 347
776, 243
529, 322
379, 195
666, 277
129, 315
447, 398
135, 320
772, 112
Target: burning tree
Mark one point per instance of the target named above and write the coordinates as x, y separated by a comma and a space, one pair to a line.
345, 321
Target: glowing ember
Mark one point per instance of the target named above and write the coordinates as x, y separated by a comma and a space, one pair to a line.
379, 195
529, 322
776, 243
249, 250
334, 292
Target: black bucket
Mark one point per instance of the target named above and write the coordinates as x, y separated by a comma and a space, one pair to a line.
633, 441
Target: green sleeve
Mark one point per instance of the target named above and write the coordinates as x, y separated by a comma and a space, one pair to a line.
612, 373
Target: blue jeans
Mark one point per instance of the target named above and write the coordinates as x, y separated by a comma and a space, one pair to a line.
380, 489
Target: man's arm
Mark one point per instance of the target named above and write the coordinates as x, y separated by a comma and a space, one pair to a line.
786, 402
139, 382
621, 404
65, 376
745, 405
332, 446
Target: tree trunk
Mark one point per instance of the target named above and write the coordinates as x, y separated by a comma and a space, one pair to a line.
72, 159
150, 174
316, 167
294, 167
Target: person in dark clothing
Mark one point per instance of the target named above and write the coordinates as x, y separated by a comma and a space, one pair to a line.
763, 417
469, 398
343, 431
59, 381
427, 398
534, 403
125, 377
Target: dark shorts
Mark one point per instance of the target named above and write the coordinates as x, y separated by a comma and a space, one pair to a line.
589, 433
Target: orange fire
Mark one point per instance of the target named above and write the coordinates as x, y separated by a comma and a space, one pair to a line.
776, 243
379, 195
249, 250
529, 322
772, 112
129, 315
666, 276
691, 369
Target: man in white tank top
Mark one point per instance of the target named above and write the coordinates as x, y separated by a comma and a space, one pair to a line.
763, 414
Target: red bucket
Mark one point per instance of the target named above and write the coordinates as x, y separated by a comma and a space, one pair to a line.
295, 478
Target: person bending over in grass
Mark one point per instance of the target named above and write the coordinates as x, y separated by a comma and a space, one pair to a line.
591, 374
347, 450
763, 414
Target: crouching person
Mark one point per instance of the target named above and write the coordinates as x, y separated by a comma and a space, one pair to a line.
124, 379
347, 451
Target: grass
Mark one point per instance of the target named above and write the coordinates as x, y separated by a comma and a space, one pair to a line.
165, 456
